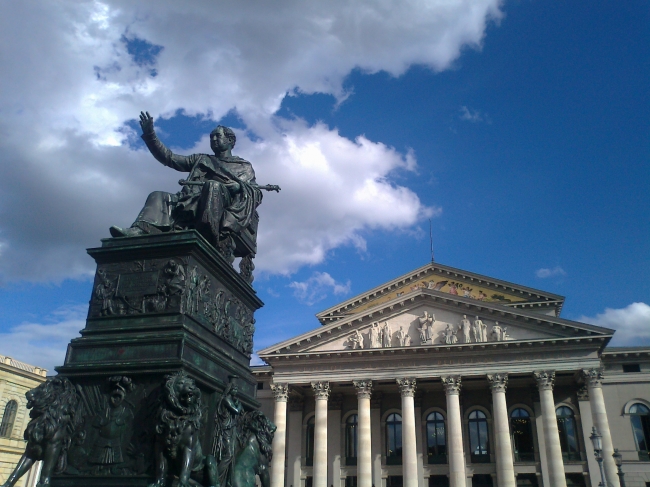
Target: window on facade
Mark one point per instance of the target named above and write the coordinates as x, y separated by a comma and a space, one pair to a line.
309, 442
566, 424
309, 482
394, 439
631, 368
482, 480
436, 441
478, 437
351, 481
394, 480
527, 480
640, 418
575, 480
438, 481
522, 435
8, 418
351, 431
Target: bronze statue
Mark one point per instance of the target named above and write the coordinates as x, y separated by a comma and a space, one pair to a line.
178, 449
256, 453
55, 413
219, 197
227, 427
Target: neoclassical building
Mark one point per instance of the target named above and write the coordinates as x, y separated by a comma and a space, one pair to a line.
444, 377
16, 378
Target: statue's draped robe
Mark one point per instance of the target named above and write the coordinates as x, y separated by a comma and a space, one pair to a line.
210, 204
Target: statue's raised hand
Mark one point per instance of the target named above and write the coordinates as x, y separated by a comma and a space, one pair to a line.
146, 122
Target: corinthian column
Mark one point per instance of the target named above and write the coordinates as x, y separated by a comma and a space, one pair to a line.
281, 394
409, 452
505, 465
457, 475
321, 394
545, 379
364, 454
594, 380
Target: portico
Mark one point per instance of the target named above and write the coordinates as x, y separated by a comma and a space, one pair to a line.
431, 410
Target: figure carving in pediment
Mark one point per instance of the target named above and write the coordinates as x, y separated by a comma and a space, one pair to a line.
450, 335
355, 340
504, 333
467, 329
426, 323
375, 335
497, 332
403, 337
477, 330
387, 335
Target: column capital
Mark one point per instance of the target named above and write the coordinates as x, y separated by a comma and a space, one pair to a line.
364, 388
593, 377
280, 392
545, 379
498, 381
451, 383
321, 390
583, 393
406, 386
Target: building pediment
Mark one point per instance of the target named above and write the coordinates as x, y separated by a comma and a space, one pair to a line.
452, 281
430, 318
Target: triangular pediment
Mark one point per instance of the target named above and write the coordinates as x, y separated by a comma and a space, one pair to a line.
432, 318
452, 281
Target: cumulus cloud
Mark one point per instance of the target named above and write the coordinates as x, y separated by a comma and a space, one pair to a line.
632, 324
44, 344
554, 272
75, 72
317, 287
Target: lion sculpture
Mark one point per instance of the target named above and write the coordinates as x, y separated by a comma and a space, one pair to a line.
178, 449
55, 414
256, 452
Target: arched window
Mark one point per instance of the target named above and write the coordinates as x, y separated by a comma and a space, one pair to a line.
478, 437
8, 419
351, 431
566, 424
436, 441
640, 418
309, 441
394, 439
522, 435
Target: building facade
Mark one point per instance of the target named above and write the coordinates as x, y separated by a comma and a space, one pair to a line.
443, 377
16, 378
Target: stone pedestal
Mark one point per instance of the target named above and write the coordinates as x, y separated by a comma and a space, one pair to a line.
160, 304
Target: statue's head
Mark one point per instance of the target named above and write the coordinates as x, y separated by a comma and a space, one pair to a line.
222, 138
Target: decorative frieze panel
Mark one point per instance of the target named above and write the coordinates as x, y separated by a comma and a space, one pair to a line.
177, 285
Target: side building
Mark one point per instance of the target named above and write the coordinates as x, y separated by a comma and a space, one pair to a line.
443, 377
16, 378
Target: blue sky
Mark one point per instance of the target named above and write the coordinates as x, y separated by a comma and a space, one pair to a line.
521, 129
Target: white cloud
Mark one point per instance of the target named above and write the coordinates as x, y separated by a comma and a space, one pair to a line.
554, 272
317, 287
45, 344
632, 324
69, 84
473, 116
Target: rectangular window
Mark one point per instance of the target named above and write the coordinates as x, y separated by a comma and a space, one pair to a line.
309, 482
260, 386
482, 480
438, 481
394, 481
631, 368
527, 480
351, 481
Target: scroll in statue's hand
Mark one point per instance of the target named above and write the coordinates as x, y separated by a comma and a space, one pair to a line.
146, 123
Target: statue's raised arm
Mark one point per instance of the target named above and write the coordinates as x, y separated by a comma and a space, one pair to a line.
219, 197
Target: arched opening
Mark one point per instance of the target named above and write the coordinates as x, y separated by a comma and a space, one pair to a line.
640, 419
394, 439
8, 419
436, 440
479, 440
521, 428
566, 425
351, 432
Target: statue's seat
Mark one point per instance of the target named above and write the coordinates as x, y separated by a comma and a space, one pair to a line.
246, 241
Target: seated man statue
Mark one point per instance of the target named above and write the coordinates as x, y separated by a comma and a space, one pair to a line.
219, 197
